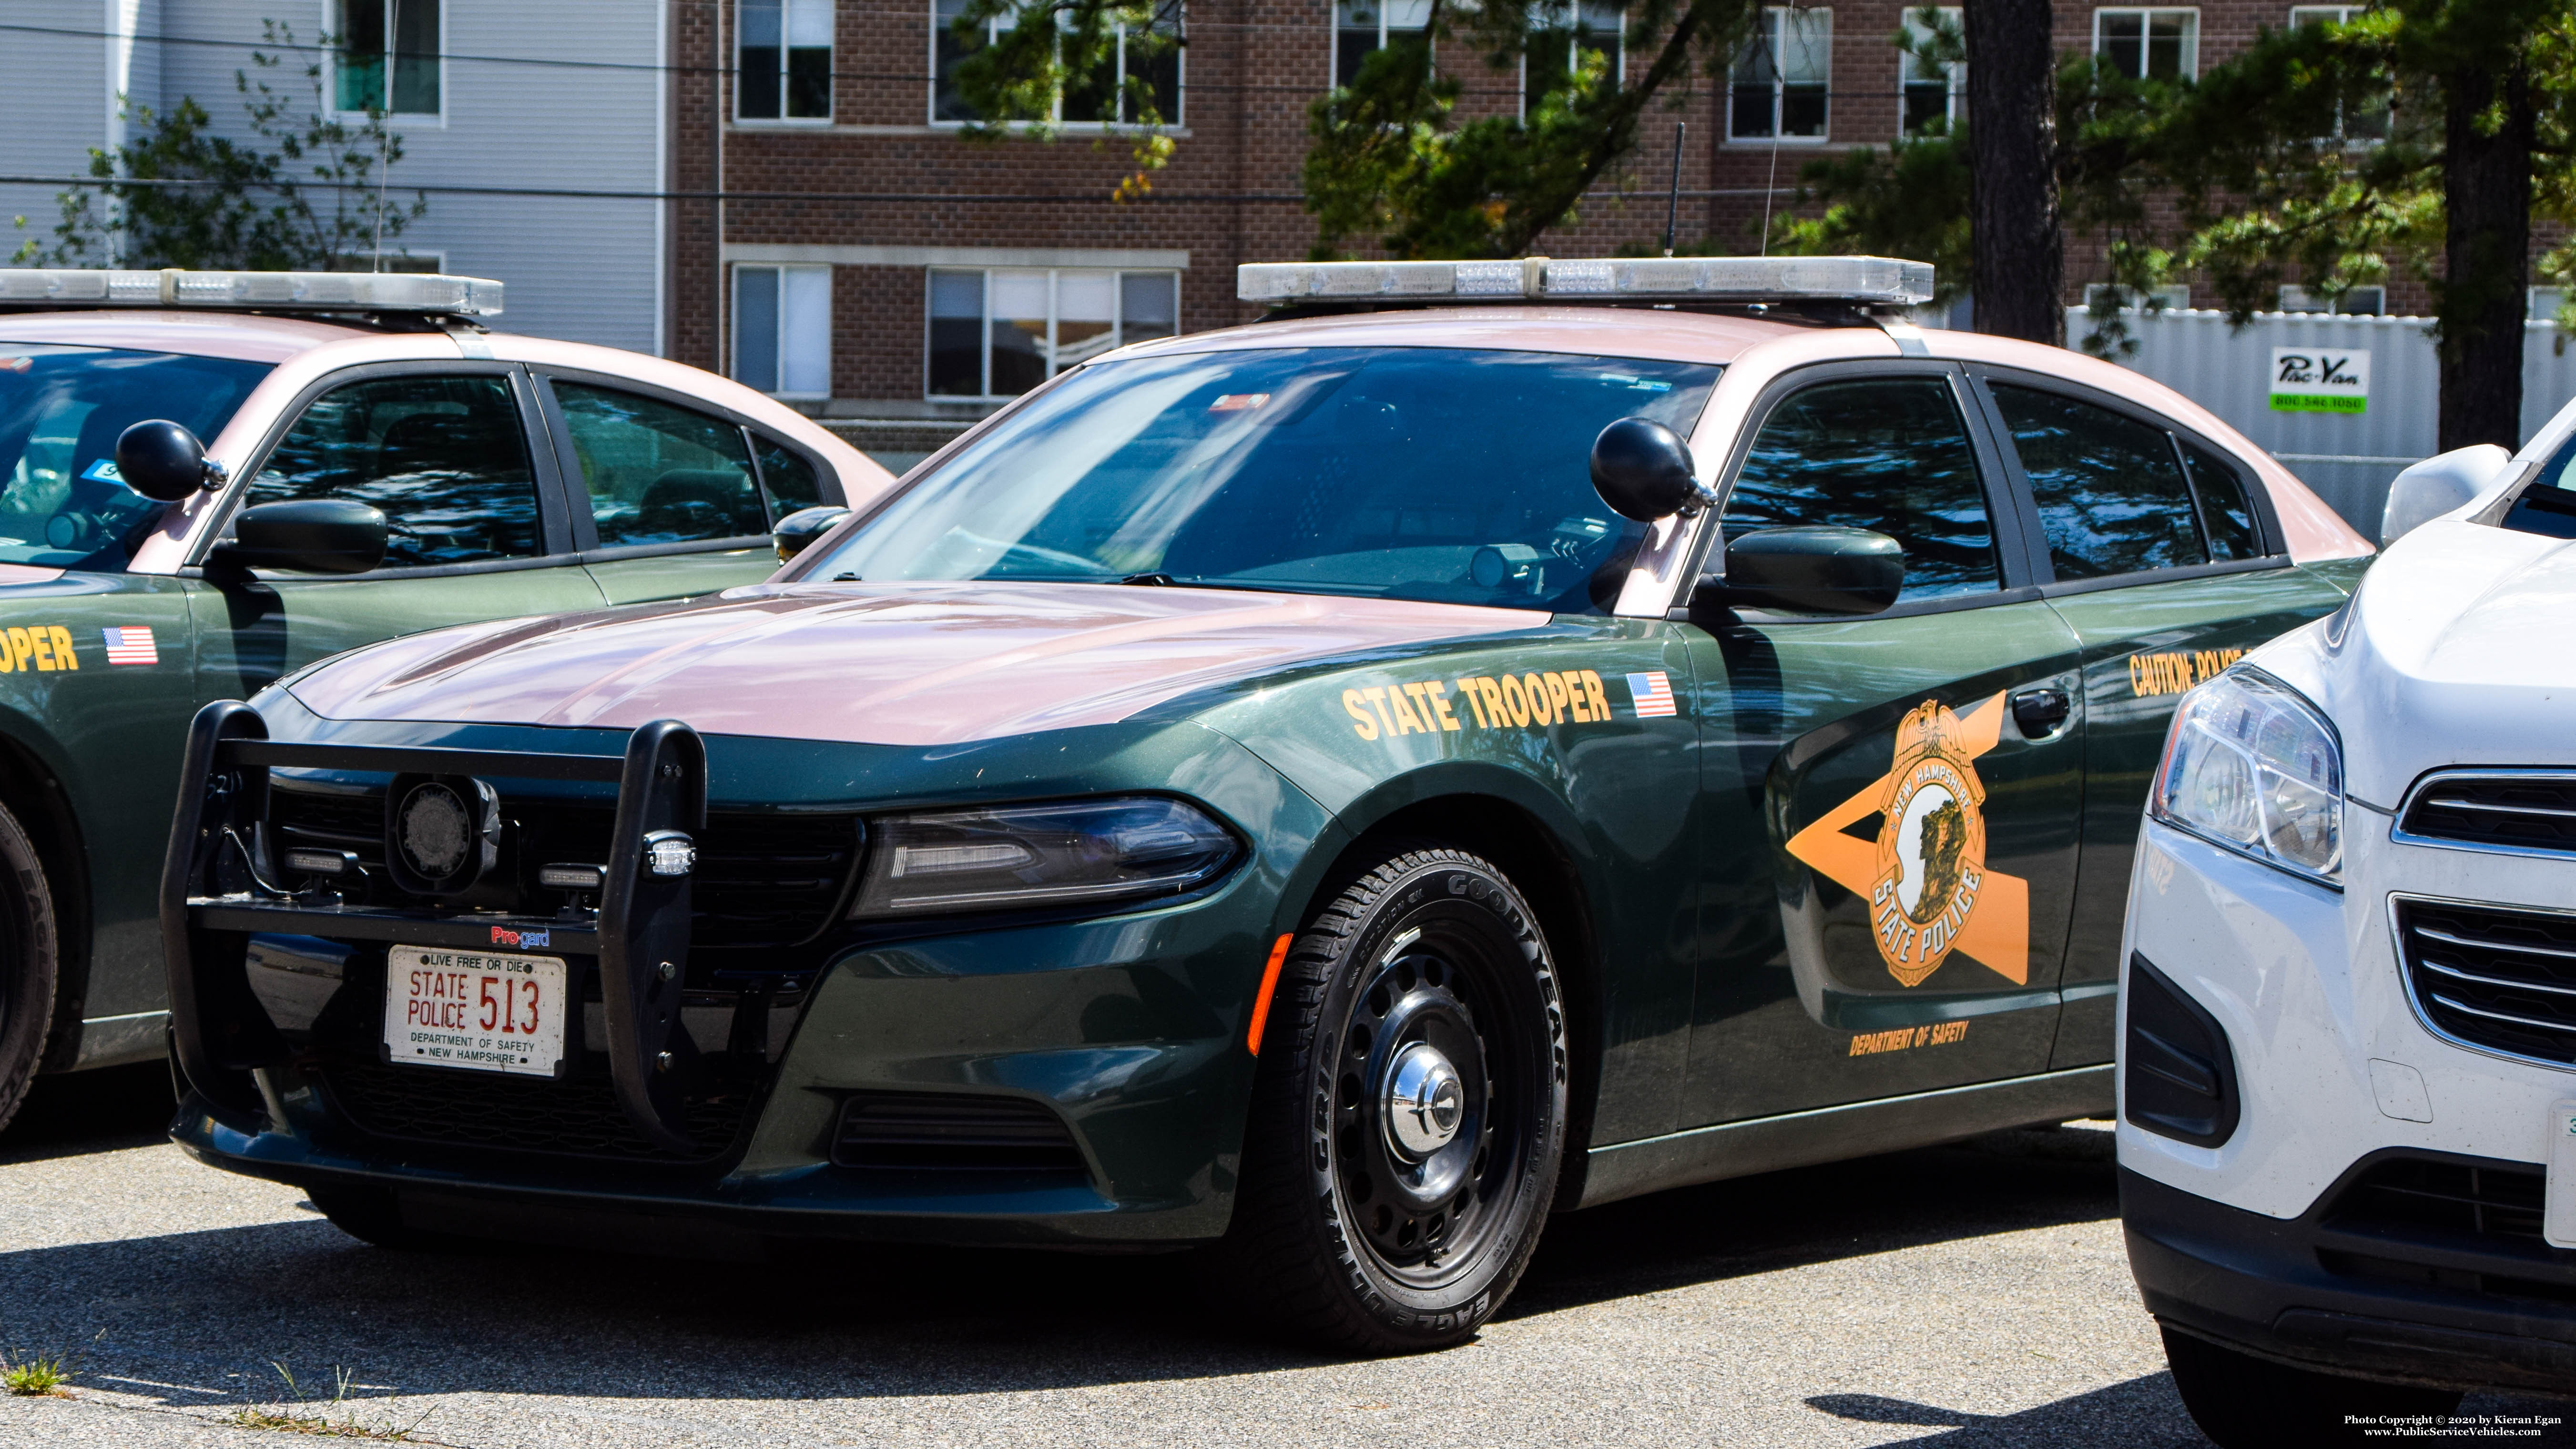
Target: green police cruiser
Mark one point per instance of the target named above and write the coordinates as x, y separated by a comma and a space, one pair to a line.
1490, 739
330, 459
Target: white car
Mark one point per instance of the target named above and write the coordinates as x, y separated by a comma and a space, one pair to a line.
2347, 1132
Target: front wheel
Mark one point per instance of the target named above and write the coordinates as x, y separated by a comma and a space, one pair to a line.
29, 953
1408, 1119
2244, 1402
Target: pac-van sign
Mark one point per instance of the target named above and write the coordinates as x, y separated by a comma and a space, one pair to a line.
2320, 379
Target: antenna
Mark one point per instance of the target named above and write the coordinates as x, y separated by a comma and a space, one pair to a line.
1673, 198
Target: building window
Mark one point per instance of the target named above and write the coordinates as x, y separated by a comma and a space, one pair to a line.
783, 60
2354, 125
2355, 301
1930, 94
386, 57
999, 333
782, 330
1361, 27
1780, 81
1566, 35
1151, 55
2149, 44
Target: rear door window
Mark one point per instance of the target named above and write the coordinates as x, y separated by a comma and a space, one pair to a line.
2226, 512
2111, 494
659, 473
443, 457
1887, 454
788, 478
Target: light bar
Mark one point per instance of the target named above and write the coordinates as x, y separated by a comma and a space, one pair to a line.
1874, 281
266, 291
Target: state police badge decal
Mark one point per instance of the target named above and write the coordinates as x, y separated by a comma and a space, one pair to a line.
1931, 845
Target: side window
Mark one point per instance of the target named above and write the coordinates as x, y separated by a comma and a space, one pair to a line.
1891, 455
443, 457
659, 473
2226, 514
788, 477
2111, 496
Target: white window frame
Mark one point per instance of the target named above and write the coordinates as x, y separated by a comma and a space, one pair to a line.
1775, 17
778, 363
984, 337
993, 29
1574, 10
831, 85
2295, 298
2176, 296
2335, 14
1333, 28
436, 120
2191, 53
1956, 105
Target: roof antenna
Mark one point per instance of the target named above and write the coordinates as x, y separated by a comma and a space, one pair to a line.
1673, 199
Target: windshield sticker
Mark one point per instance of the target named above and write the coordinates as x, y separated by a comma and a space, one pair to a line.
2151, 674
17, 364
1906, 1038
38, 646
1925, 876
1238, 402
103, 471
130, 644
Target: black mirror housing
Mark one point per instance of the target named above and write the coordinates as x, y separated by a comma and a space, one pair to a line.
1843, 571
309, 535
801, 528
161, 460
1643, 470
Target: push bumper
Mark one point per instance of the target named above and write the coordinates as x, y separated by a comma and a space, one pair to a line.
2264, 1285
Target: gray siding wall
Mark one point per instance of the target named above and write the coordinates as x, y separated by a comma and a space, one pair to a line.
588, 269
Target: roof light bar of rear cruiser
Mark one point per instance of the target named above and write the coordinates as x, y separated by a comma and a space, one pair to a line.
426, 293
1861, 281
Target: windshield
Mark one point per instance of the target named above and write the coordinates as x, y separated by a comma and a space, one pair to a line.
61, 409
1402, 472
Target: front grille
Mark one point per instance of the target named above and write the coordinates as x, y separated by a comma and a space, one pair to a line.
2493, 978
2466, 1226
576, 1117
2517, 810
761, 879
909, 1129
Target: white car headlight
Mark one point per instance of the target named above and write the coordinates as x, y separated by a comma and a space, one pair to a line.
2252, 766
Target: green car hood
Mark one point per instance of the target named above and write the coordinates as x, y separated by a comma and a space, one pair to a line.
895, 664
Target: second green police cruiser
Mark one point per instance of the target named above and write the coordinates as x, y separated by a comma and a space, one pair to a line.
1491, 739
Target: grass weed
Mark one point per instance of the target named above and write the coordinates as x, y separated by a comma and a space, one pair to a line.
298, 1413
41, 1374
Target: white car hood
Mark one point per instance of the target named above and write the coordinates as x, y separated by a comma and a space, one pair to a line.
2458, 649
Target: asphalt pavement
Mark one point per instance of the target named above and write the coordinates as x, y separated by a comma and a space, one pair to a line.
1969, 1297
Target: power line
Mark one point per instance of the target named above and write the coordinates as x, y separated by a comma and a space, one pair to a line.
861, 197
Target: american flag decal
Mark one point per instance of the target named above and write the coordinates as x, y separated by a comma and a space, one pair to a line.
1652, 694
132, 644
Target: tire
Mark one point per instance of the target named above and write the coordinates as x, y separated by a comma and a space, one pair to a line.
1364, 1227
29, 957
2244, 1402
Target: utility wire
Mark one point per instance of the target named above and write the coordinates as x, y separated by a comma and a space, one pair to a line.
890, 197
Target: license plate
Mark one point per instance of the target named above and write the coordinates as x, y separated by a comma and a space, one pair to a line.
2558, 1215
479, 1010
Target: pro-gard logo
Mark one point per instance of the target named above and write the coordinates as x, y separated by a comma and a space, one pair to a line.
2320, 379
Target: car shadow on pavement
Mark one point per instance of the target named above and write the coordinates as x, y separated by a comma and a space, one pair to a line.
94, 1111
2002, 1183
2141, 1413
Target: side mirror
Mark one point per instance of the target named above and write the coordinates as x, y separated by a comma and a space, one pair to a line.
163, 461
2445, 481
798, 529
1642, 469
1810, 571
310, 535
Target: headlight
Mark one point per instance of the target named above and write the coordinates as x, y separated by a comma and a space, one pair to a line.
1016, 856
2252, 766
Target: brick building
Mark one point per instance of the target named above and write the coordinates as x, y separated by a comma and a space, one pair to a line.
872, 264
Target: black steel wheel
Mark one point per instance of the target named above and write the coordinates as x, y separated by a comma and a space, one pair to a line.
1409, 1115
28, 957
2244, 1402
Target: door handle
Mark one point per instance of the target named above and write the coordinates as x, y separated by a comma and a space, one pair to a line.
2040, 712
